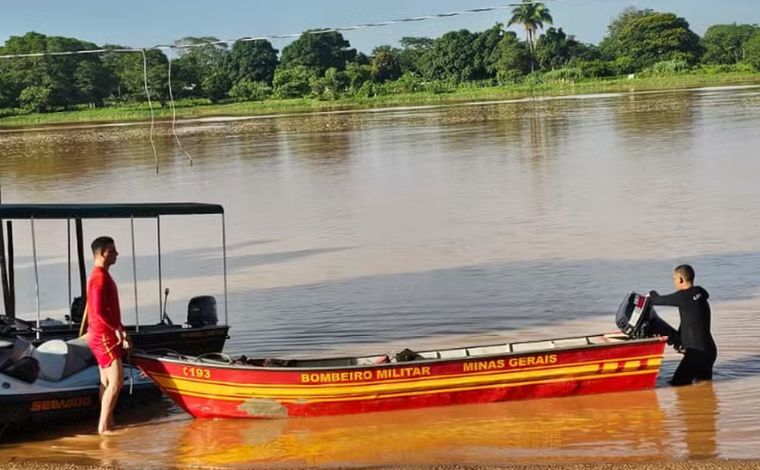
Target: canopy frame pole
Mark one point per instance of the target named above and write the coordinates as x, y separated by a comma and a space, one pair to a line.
11, 269
134, 273
36, 279
80, 259
224, 269
160, 283
68, 263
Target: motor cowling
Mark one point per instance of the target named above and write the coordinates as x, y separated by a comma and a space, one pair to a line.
201, 311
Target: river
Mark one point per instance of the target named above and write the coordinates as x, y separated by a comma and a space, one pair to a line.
373, 231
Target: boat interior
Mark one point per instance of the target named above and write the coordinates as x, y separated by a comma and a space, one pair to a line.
407, 355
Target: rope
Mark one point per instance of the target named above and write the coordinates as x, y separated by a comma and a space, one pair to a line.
174, 111
150, 106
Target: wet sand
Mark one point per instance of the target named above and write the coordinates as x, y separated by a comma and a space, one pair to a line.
721, 464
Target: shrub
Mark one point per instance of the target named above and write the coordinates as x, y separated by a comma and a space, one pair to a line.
35, 99
248, 90
565, 74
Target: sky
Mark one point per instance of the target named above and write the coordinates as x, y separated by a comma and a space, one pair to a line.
145, 23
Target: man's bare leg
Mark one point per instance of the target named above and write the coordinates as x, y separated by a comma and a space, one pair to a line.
114, 376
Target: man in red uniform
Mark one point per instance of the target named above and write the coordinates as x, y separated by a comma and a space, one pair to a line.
106, 335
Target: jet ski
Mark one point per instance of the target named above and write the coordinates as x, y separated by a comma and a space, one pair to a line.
57, 381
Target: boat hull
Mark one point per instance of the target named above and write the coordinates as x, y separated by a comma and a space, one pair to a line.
210, 389
28, 409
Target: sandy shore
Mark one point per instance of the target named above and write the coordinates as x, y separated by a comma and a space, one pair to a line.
718, 464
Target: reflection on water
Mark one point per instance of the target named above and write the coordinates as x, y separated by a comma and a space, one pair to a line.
375, 231
576, 427
698, 407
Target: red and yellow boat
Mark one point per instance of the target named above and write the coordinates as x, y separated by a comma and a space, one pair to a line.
216, 386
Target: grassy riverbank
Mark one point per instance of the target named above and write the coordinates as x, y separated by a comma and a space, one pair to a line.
465, 93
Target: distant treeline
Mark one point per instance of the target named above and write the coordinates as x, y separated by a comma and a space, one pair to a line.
323, 65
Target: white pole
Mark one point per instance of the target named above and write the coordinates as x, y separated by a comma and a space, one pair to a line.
224, 267
36, 278
134, 273
68, 251
160, 284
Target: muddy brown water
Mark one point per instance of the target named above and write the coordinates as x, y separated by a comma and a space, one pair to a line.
362, 232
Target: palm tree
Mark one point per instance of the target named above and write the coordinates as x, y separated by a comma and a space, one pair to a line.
532, 16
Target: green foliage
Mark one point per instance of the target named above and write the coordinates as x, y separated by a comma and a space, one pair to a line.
646, 37
554, 49
196, 64
215, 84
329, 86
668, 67
252, 60
293, 82
532, 16
411, 56
596, 68
409, 83
385, 64
752, 51
710, 69
319, 51
357, 75
248, 90
36, 99
567, 74
725, 43
454, 55
93, 82
510, 60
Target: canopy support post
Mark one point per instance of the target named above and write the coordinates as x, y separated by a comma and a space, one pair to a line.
134, 273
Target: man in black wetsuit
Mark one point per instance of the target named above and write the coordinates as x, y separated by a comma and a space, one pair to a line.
696, 342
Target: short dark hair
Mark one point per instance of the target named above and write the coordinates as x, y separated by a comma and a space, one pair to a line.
685, 271
100, 244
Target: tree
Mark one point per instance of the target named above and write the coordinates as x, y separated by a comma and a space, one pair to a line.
532, 16
93, 82
53, 73
413, 49
199, 58
35, 99
385, 64
293, 82
357, 74
129, 71
453, 56
555, 49
215, 84
511, 59
318, 50
486, 44
752, 51
647, 37
254, 60
724, 43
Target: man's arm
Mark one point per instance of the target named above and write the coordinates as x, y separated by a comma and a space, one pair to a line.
673, 300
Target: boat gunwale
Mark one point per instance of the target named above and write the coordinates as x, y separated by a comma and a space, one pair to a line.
199, 361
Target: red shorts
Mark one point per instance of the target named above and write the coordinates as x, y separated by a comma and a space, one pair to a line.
105, 348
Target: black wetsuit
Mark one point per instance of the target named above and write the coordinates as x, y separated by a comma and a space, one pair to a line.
694, 331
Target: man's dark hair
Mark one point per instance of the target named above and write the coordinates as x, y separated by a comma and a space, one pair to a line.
100, 244
685, 271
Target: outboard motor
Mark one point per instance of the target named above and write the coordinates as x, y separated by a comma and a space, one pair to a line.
633, 314
201, 311
637, 318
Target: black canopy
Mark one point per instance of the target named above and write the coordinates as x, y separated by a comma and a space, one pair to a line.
105, 211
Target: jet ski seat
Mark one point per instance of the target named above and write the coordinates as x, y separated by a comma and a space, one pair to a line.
59, 359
